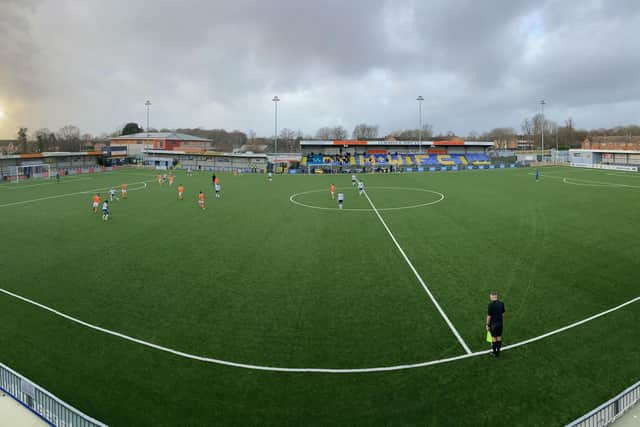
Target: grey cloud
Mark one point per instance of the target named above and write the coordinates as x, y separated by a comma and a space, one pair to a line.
217, 63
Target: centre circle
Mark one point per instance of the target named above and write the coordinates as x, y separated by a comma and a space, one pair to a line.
294, 199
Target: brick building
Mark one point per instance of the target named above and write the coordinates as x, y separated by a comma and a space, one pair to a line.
618, 143
167, 141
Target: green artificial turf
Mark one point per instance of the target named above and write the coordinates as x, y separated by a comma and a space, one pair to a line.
257, 279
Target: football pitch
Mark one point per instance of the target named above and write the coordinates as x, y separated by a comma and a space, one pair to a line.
274, 307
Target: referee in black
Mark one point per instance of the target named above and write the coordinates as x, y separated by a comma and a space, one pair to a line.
495, 313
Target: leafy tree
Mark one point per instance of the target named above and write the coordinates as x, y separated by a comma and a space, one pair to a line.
222, 139
45, 140
131, 128
22, 139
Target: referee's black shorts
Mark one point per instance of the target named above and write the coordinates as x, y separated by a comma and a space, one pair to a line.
495, 329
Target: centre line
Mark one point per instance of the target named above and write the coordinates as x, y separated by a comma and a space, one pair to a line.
415, 272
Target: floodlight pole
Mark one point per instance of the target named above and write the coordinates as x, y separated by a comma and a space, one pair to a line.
148, 104
420, 99
275, 103
542, 103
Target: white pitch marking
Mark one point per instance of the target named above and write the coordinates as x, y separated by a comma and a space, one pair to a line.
589, 183
545, 175
625, 174
66, 181
415, 272
586, 182
572, 325
144, 185
308, 370
143, 174
293, 200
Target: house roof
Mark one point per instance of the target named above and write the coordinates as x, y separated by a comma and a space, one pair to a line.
167, 136
618, 139
206, 153
604, 150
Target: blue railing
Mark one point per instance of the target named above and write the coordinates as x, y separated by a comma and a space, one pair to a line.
611, 410
45, 405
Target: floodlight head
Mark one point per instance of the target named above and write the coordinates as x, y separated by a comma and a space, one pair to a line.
275, 99
420, 98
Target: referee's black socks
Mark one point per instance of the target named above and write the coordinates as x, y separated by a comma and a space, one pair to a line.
494, 347
498, 345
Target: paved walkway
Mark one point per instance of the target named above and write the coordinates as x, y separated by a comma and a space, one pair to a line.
630, 418
13, 414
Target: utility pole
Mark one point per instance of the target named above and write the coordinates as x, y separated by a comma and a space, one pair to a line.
420, 99
542, 103
148, 104
275, 102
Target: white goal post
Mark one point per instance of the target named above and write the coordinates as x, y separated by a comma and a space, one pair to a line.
22, 172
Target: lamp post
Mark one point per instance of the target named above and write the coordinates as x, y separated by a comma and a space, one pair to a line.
420, 99
542, 103
148, 104
275, 103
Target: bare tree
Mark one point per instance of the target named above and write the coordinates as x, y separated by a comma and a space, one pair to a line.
324, 132
413, 134
503, 137
69, 132
427, 131
332, 132
568, 124
339, 132
87, 141
527, 129
365, 131
287, 134
541, 123
288, 139
69, 138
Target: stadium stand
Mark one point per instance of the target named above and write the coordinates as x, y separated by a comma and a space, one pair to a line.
396, 159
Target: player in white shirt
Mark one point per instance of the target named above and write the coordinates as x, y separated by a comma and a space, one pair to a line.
353, 180
112, 194
361, 187
340, 199
217, 187
105, 210
269, 176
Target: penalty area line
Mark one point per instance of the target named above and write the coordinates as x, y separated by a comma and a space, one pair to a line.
311, 370
415, 272
69, 180
144, 185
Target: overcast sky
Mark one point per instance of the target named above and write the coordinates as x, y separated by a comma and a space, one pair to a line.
218, 64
